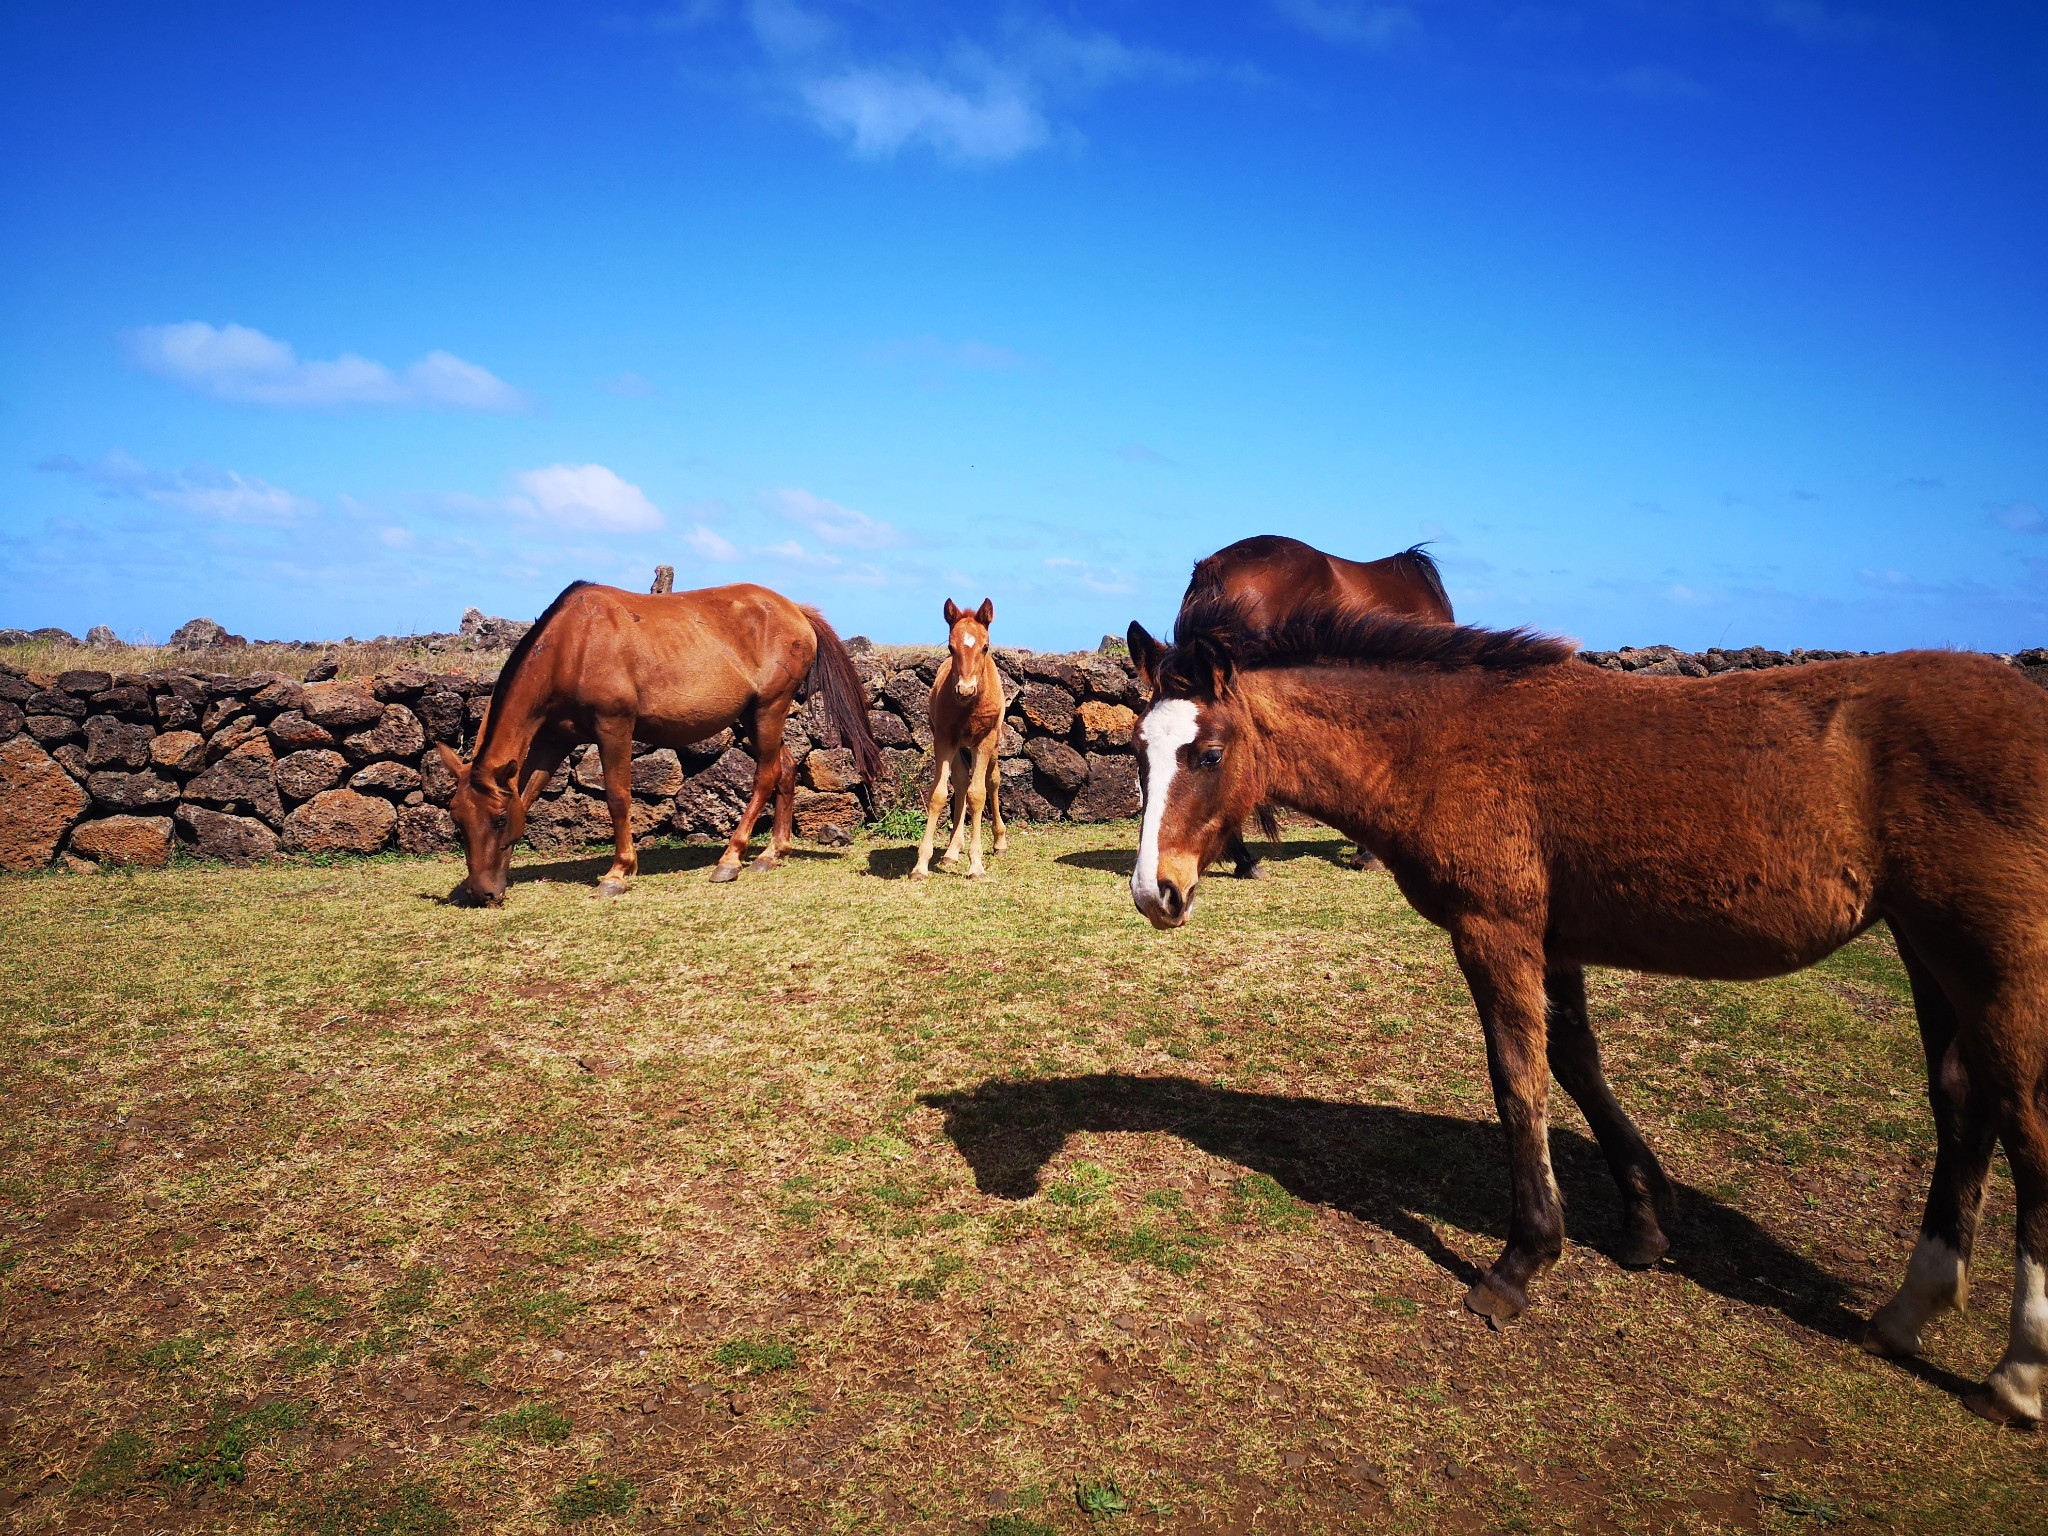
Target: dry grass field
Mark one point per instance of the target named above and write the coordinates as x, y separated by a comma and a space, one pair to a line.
824, 1202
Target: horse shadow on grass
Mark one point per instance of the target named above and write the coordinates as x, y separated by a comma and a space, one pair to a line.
1121, 861
1395, 1168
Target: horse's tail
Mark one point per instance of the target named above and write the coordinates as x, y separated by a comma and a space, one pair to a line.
834, 681
1419, 566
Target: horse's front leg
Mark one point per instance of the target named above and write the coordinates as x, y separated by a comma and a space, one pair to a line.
977, 798
1503, 965
615, 749
963, 776
937, 803
767, 735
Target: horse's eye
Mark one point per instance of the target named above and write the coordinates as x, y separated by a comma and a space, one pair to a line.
1210, 758
498, 822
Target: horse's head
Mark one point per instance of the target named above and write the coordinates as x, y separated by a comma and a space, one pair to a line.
967, 639
1195, 772
492, 815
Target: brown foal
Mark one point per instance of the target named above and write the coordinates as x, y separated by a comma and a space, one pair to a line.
1552, 816
967, 728
1274, 579
668, 669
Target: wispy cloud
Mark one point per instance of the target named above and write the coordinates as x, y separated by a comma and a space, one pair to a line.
237, 362
630, 386
966, 100
711, 545
1111, 581
199, 489
830, 522
2017, 516
1138, 453
1357, 26
586, 497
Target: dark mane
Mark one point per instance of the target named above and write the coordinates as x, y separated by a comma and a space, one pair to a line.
506, 674
1419, 565
1211, 636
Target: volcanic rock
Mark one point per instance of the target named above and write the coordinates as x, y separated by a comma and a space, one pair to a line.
39, 802
247, 777
1106, 727
658, 775
84, 682
111, 743
231, 839
441, 713
818, 813
889, 731
101, 637
397, 733
1050, 709
303, 775
179, 751
131, 791
139, 840
197, 635
831, 771
1058, 762
1021, 800
71, 758
712, 800
293, 732
425, 829
55, 701
393, 779
340, 706
51, 729
1111, 793
12, 720
401, 684
340, 821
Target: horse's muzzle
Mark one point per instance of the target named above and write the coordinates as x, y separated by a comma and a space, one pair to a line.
1166, 905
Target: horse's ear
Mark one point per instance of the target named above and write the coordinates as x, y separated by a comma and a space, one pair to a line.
535, 783
986, 613
453, 763
952, 613
1145, 654
1211, 666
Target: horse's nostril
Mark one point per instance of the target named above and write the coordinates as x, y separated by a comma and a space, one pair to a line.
1169, 897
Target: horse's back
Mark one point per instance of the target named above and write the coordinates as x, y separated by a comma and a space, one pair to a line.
1277, 577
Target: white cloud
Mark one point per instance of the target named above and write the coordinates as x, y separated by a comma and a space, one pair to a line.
585, 496
237, 362
710, 545
200, 489
830, 522
1363, 26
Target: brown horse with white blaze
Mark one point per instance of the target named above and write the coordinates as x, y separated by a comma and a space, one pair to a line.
1274, 580
967, 728
667, 669
1551, 815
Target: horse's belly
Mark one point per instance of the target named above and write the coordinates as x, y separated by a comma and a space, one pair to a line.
1745, 937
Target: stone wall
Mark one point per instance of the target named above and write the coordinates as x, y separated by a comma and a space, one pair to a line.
101, 766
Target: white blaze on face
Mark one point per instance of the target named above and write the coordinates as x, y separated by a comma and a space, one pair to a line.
1168, 726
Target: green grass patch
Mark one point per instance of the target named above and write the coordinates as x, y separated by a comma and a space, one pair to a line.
591, 1496
542, 1423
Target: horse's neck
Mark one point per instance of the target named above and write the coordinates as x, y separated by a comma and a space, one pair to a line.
512, 736
1330, 748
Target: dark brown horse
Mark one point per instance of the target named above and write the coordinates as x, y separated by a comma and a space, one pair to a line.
668, 669
1552, 816
1273, 579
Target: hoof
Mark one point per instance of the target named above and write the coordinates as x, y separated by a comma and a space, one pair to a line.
920, 874
1002, 845
977, 874
763, 865
1250, 872
1871, 1340
1989, 1406
1641, 1247
1362, 860
1490, 1299
606, 889
724, 874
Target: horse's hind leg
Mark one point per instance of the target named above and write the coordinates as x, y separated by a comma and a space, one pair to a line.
767, 735
995, 799
2012, 1392
1575, 1062
1965, 1129
1245, 864
785, 808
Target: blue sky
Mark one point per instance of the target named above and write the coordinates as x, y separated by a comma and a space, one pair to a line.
1700, 321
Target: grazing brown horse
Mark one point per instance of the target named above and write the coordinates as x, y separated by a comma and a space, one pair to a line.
1552, 816
967, 728
668, 669
1274, 579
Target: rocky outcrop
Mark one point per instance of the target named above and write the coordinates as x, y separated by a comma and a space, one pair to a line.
217, 835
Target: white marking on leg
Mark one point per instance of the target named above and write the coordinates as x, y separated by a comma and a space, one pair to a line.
2018, 1379
1169, 725
1936, 1281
